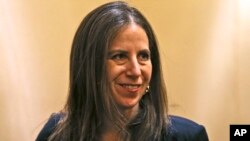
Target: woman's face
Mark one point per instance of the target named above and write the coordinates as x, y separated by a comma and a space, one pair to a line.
129, 67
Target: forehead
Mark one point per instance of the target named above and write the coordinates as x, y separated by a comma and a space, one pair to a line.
129, 30
131, 34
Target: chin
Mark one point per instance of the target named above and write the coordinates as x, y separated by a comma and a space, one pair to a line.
129, 105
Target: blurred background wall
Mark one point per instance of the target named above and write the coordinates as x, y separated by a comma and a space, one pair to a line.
205, 49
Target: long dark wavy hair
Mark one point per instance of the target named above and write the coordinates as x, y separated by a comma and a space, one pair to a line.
90, 102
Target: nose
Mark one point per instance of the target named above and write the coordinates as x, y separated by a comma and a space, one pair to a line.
133, 68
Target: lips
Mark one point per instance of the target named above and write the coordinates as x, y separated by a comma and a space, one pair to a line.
131, 87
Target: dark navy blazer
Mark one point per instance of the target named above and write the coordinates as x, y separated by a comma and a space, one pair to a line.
180, 129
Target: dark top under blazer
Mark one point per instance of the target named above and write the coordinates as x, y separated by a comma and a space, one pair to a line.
180, 129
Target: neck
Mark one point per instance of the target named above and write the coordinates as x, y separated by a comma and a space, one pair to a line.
109, 131
129, 113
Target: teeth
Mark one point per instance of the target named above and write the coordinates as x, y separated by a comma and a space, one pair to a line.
131, 86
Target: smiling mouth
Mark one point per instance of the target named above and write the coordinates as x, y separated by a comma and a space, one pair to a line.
130, 86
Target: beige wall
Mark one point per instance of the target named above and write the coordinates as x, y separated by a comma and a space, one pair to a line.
205, 49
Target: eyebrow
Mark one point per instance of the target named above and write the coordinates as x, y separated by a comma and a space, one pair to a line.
126, 52
145, 50
117, 51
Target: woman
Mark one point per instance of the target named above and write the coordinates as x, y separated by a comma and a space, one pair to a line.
117, 92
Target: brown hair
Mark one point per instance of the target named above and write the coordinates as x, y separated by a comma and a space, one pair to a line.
89, 99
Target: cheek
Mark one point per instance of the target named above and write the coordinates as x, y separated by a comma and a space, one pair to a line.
109, 73
113, 71
148, 72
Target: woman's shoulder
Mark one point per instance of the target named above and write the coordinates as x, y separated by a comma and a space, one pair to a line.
49, 127
179, 129
183, 129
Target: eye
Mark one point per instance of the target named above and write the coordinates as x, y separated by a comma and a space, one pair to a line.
119, 56
144, 56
